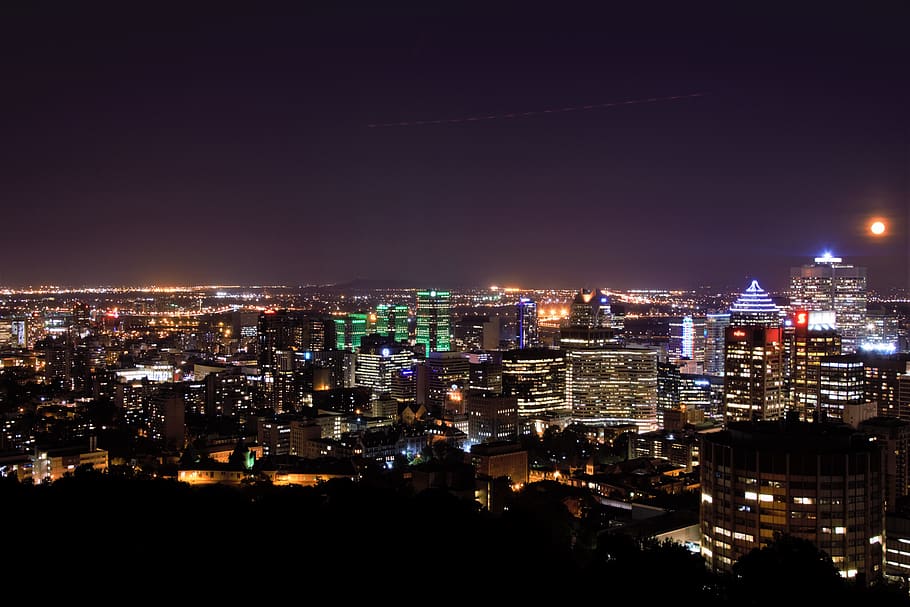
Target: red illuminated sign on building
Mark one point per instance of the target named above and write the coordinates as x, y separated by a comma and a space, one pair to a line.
802, 317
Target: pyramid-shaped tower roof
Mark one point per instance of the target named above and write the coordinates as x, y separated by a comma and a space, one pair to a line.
754, 307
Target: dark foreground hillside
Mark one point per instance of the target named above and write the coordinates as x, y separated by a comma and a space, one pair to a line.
108, 538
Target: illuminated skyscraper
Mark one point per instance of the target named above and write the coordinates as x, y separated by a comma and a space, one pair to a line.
820, 482
434, 320
814, 338
840, 386
754, 367
715, 324
527, 323
447, 374
349, 330
753, 373
883, 332
590, 309
590, 322
613, 385
830, 284
755, 308
475, 332
537, 377
378, 363
894, 434
392, 320
485, 373
687, 341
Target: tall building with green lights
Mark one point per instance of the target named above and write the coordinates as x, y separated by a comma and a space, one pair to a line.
434, 320
349, 330
392, 321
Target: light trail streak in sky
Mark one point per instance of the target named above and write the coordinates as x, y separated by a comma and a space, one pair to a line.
508, 115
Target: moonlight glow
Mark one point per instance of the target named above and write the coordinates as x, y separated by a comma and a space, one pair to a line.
877, 228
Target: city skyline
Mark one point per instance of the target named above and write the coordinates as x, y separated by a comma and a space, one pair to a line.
658, 147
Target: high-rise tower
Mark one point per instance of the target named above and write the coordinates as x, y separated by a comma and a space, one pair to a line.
755, 307
715, 324
813, 340
830, 284
434, 320
527, 323
687, 341
753, 373
754, 359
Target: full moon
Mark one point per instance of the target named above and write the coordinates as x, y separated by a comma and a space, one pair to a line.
877, 228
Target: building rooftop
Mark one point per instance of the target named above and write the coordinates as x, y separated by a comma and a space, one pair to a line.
793, 437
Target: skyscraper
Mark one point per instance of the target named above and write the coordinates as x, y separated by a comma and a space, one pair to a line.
715, 324
754, 359
537, 377
590, 309
379, 362
753, 373
755, 307
349, 330
841, 391
434, 320
614, 385
392, 320
590, 322
527, 323
814, 338
687, 341
830, 284
820, 482
446, 373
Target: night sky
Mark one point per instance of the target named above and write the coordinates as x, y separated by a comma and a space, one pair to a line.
199, 143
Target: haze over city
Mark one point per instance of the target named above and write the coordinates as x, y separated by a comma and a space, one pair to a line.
667, 146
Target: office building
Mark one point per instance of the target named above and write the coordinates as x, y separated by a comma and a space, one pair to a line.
526, 320
501, 460
894, 435
754, 307
393, 321
590, 309
753, 373
491, 418
830, 284
883, 332
687, 341
378, 363
445, 375
820, 482
349, 330
613, 385
679, 447
273, 432
537, 378
715, 325
704, 393
881, 382
475, 332
434, 330
897, 546
814, 338
841, 391
485, 372
668, 380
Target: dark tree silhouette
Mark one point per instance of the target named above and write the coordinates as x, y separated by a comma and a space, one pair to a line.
787, 562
